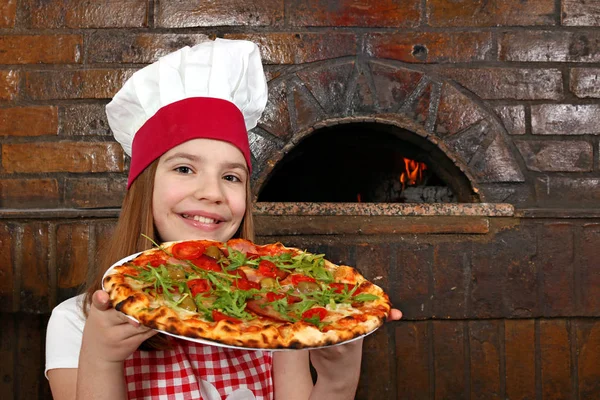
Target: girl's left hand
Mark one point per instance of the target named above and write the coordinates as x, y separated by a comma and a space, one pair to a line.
338, 367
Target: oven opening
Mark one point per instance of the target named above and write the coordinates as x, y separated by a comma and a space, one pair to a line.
366, 162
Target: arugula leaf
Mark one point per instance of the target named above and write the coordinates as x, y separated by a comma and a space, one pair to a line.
365, 297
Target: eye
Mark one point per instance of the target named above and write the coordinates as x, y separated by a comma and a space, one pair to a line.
184, 170
232, 178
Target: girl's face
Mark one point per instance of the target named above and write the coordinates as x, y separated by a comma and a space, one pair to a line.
200, 191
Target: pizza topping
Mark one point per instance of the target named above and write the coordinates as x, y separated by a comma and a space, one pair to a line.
219, 316
187, 250
198, 286
245, 284
318, 313
267, 268
214, 252
207, 263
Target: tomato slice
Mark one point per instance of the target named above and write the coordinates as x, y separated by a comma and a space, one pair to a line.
187, 250
297, 278
267, 268
154, 261
318, 312
219, 316
272, 296
239, 272
207, 263
245, 284
340, 287
198, 286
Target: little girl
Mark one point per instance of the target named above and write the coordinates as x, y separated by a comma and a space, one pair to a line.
184, 121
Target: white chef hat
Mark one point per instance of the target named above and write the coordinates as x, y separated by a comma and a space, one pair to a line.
214, 90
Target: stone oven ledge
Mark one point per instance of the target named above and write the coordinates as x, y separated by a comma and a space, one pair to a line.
274, 219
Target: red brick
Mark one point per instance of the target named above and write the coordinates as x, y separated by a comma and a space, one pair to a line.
8, 13
412, 360
556, 269
41, 49
588, 358
410, 287
328, 85
487, 283
6, 268
556, 155
555, 358
392, 84
41, 120
103, 232
299, 48
510, 83
72, 259
85, 14
449, 359
584, 82
456, 112
519, 348
514, 251
29, 355
9, 84
442, 13
580, 13
62, 157
430, 47
8, 338
377, 357
373, 262
496, 164
383, 13
186, 14
95, 193
124, 47
561, 191
484, 343
276, 117
29, 193
307, 112
84, 120
82, 84
588, 291
35, 276
513, 118
451, 265
565, 119
550, 46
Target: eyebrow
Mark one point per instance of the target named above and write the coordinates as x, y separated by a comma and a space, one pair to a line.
194, 158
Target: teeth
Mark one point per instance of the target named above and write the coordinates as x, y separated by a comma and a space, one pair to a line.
200, 219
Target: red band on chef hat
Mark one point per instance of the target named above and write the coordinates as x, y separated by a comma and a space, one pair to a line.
187, 119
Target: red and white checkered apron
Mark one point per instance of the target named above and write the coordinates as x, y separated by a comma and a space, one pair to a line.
194, 371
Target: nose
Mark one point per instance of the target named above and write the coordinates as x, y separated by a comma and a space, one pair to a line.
209, 188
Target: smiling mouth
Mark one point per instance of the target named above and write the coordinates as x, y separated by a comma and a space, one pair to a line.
201, 219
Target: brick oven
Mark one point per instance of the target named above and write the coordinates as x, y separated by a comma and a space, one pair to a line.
447, 148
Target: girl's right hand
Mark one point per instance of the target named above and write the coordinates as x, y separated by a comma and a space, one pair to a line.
109, 336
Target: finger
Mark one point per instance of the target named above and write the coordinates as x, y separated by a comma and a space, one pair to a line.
100, 300
394, 315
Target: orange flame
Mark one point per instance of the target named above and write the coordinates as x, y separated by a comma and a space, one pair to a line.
413, 174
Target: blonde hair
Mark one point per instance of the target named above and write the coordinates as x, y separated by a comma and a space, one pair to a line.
136, 219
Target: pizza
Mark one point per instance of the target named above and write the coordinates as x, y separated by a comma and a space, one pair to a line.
246, 295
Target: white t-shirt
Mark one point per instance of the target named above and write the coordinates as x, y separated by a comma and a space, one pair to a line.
63, 337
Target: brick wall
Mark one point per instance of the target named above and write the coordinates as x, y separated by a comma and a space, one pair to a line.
518, 307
